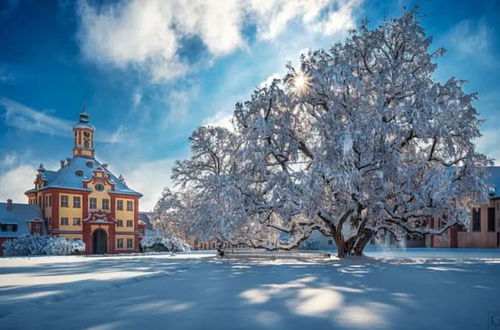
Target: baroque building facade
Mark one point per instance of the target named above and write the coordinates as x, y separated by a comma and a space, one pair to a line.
83, 200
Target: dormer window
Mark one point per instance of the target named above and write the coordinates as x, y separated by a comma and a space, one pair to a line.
90, 164
99, 187
79, 173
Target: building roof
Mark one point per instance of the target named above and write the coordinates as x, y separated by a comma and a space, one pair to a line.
20, 214
494, 179
146, 218
77, 170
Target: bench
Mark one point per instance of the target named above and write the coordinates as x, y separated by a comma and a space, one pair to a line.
258, 254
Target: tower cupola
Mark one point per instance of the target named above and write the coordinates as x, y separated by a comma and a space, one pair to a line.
84, 136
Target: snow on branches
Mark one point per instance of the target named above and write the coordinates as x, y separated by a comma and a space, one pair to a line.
41, 245
359, 139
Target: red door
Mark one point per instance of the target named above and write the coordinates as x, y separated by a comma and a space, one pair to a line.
453, 237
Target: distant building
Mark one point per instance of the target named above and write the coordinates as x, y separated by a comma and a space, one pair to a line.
19, 219
83, 200
146, 219
483, 230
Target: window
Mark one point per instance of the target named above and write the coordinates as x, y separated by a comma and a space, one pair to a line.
64, 221
119, 223
99, 187
50, 200
130, 223
119, 204
93, 203
491, 219
8, 227
76, 221
130, 243
64, 201
119, 243
76, 202
105, 204
79, 173
330, 242
476, 219
36, 229
130, 206
90, 164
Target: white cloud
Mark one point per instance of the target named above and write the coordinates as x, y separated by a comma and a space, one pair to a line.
136, 98
147, 34
131, 33
9, 159
148, 178
220, 118
488, 144
14, 182
269, 80
473, 39
179, 101
116, 137
23, 117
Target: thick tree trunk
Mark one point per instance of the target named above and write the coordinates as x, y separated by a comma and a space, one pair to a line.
353, 246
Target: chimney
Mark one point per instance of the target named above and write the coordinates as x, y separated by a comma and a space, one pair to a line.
9, 205
68, 161
62, 163
104, 165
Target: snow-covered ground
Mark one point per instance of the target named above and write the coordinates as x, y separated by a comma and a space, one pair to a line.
411, 289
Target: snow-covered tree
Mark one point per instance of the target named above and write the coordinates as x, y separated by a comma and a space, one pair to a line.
358, 140
158, 241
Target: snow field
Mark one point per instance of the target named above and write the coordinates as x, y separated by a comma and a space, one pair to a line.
416, 290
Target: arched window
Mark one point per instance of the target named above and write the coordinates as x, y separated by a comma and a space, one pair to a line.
79, 173
99, 187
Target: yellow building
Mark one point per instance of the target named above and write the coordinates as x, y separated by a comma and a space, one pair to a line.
84, 200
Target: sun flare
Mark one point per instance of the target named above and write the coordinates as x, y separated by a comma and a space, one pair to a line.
301, 82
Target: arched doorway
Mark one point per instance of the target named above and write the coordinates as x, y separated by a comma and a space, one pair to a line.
99, 242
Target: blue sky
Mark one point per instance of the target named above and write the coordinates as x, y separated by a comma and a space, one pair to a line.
151, 71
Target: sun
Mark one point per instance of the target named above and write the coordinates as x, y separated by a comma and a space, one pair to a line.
301, 82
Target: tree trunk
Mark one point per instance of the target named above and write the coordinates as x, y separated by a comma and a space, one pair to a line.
353, 246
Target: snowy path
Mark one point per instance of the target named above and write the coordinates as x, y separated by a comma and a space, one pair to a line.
201, 292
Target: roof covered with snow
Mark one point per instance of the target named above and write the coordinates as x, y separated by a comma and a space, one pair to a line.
146, 218
20, 214
78, 170
494, 179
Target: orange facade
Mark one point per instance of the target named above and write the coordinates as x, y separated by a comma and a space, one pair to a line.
84, 201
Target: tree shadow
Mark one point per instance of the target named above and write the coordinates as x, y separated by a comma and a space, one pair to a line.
187, 293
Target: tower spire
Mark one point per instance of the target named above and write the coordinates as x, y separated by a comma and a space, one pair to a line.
84, 135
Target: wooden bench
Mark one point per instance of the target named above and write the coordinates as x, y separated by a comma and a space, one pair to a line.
258, 254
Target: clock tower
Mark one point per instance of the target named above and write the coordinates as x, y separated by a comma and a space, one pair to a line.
84, 137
